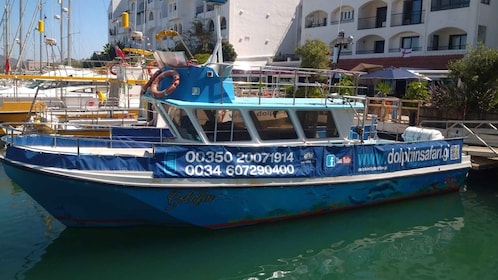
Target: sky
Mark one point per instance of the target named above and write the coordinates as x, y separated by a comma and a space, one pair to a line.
89, 27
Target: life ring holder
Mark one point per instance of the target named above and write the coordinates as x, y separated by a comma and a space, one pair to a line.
111, 67
155, 83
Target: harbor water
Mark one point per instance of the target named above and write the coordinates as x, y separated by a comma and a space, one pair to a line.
449, 236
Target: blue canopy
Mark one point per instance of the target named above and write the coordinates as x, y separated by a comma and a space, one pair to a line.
391, 73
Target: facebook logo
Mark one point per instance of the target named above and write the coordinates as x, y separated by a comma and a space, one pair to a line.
330, 161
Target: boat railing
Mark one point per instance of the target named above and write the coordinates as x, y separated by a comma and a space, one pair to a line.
266, 79
392, 109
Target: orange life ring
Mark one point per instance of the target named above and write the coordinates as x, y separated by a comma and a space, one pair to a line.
151, 65
149, 82
155, 83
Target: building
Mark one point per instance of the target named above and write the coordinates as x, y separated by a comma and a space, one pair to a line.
259, 30
410, 33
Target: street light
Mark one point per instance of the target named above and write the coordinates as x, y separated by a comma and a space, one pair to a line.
338, 43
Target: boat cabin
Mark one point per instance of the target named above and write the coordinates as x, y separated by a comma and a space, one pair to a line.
309, 120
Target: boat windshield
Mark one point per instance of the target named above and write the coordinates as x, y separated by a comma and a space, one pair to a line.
273, 124
223, 125
182, 123
317, 124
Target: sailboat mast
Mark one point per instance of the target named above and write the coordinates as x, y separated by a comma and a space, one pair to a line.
7, 30
69, 33
41, 35
21, 13
7, 39
61, 2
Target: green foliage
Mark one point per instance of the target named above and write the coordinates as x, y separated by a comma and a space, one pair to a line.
314, 54
345, 86
201, 57
445, 96
228, 51
309, 92
478, 76
417, 90
383, 88
99, 59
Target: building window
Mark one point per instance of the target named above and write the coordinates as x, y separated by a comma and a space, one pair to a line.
151, 16
211, 26
172, 7
223, 23
485, 2
438, 5
379, 46
410, 42
457, 42
347, 15
412, 12
481, 33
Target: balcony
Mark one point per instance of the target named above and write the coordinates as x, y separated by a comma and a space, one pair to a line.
316, 24
438, 5
336, 22
407, 18
445, 48
371, 22
414, 49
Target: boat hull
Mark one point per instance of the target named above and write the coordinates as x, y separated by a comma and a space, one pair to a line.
81, 202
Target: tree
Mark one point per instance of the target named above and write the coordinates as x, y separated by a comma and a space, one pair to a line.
202, 43
479, 78
100, 58
383, 89
228, 51
417, 90
314, 54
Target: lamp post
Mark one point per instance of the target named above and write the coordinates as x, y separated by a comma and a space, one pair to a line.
338, 43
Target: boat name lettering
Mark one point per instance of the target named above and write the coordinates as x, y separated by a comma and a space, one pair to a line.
239, 170
408, 155
267, 113
176, 198
240, 157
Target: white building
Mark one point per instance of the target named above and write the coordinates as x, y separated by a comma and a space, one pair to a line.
412, 33
428, 32
259, 29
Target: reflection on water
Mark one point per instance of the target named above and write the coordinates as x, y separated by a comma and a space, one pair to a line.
25, 230
451, 236
335, 244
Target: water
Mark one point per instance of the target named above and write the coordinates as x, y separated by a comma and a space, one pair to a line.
451, 236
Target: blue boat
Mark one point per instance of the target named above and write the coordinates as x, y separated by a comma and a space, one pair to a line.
221, 152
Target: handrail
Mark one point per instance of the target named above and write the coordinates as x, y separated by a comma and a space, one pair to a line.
465, 124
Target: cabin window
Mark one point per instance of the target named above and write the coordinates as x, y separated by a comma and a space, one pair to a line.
182, 123
317, 124
223, 125
273, 124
